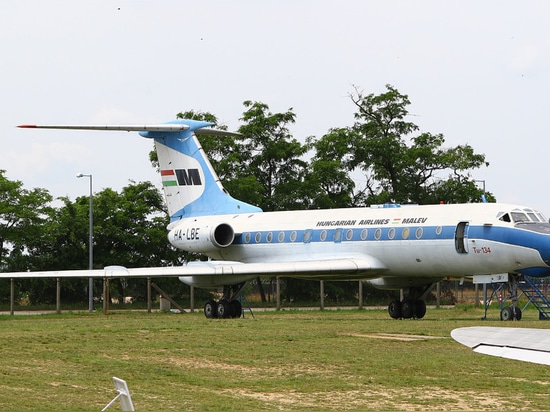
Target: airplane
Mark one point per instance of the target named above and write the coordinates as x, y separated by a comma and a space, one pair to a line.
524, 344
392, 247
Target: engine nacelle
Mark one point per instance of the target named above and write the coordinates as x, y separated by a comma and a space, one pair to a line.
201, 238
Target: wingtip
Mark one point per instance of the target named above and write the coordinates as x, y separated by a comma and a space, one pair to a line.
27, 126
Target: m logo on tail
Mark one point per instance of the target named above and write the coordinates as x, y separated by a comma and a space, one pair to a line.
181, 177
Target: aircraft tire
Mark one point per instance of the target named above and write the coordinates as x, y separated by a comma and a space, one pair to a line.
225, 309
237, 308
394, 309
408, 308
211, 309
420, 309
516, 313
507, 313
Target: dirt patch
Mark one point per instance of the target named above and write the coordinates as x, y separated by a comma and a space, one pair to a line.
391, 336
417, 399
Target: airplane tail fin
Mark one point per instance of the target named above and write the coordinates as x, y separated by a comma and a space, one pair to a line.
191, 186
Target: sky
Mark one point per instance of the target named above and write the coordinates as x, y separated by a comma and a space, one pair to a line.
476, 71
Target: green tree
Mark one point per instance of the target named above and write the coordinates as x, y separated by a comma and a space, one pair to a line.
329, 177
129, 230
23, 213
271, 159
402, 167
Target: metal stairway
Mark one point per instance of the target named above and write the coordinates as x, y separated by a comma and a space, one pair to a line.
534, 289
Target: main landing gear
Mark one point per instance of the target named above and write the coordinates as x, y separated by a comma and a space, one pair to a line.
413, 307
407, 309
228, 306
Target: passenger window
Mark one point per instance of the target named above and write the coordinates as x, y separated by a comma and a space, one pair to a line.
349, 234
405, 233
419, 232
377, 234
258, 237
270, 237
281, 237
391, 233
364, 234
307, 236
323, 235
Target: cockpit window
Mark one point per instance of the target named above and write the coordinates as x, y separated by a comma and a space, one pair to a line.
519, 217
533, 217
526, 215
505, 217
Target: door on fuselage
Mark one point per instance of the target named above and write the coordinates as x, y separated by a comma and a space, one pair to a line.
461, 237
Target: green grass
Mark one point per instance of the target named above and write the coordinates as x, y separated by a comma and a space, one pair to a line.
288, 360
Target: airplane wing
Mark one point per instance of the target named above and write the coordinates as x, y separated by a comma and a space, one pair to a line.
319, 268
525, 344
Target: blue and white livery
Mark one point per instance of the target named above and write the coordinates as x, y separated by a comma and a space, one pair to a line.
407, 247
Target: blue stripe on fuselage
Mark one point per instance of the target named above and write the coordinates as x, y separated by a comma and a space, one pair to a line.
506, 235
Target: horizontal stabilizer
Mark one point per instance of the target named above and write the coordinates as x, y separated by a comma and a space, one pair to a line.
524, 344
165, 127
128, 128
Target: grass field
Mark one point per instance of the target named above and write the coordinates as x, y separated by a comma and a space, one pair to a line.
288, 360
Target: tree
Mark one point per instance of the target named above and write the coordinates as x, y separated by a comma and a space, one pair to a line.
23, 213
129, 230
329, 174
401, 172
271, 158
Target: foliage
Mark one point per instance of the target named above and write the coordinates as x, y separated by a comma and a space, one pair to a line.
272, 156
23, 213
405, 173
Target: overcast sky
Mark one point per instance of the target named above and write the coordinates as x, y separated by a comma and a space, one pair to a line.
476, 71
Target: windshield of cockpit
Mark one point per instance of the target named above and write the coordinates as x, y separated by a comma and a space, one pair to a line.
522, 216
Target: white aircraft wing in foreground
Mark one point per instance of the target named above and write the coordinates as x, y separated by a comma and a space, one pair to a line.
524, 344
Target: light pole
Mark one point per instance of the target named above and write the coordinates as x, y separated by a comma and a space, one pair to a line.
90, 245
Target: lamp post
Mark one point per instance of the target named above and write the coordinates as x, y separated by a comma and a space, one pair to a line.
90, 245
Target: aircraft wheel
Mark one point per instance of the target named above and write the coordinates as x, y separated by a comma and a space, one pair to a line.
407, 308
224, 309
211, 309
420, 309
394, 309
507, 313
237, 308
516, 313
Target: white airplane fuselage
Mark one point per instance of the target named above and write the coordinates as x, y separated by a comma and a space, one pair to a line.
408, 241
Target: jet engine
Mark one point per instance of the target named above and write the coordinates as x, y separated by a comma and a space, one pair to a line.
201, 238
